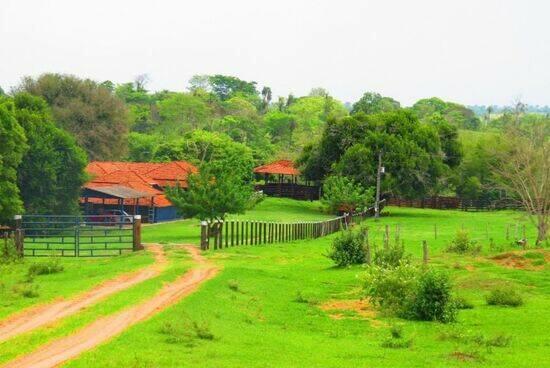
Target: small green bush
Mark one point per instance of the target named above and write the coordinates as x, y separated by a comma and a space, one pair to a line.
432, 300
409, 292
233, 285
462, 303
26, 290
462, 244
348, 249
396, 341
8, 252
45, 268
505, 296
392, 288
392, 256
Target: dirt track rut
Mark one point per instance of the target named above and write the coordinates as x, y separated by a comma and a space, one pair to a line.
59, 351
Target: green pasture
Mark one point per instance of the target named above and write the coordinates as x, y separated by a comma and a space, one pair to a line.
286, 305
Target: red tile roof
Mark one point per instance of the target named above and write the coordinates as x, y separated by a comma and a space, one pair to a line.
284, 167
142, 176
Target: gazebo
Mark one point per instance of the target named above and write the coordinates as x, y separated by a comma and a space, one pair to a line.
281, 180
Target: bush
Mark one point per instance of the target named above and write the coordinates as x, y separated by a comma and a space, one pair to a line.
462, 244
408, 292
396, 341
392, 256
432, 300
44, 268
348, 249
462, 303
9, 252
391, 288
505, 296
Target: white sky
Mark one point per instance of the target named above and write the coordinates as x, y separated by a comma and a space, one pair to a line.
484, 51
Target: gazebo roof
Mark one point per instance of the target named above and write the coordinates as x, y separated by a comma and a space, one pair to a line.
282, 167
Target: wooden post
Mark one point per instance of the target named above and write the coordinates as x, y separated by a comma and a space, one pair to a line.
425, 256
232, 232
137, 233
245, 232
387, 237
367, 247
265, 232
435, 231
524, 238
204, 235
19, 235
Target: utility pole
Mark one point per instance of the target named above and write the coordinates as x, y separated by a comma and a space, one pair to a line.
378, 175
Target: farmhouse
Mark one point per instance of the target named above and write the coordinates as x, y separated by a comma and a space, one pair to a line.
281, 179
134, 187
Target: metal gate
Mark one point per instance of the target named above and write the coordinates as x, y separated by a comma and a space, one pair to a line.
79, 236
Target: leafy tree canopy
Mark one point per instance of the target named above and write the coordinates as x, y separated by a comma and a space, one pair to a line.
97, 119
455, 114
12, 149
341, 194
373, 103
52, 171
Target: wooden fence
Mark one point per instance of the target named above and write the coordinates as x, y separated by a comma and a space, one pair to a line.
225, 234
441, 203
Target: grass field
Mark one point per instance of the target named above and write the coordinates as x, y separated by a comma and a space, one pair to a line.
286, 305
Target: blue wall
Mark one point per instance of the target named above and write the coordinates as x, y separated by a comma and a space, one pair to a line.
166, 214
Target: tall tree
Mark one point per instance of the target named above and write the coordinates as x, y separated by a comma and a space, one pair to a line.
372, 103
96, 118
12, 148
522, 168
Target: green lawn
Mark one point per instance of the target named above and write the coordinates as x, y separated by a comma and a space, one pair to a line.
250, 315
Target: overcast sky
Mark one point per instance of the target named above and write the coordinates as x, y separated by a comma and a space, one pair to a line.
484, 52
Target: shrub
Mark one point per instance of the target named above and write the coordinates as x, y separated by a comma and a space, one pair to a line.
392, 256
432, 300
348, 249
9, 252
391, 288
462, 244
505, 296
233, 285
408, 292
26, 290
463, 303
301, 298
396, 341
44, 268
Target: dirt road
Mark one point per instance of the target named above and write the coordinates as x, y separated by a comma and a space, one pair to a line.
59, 351
45, 314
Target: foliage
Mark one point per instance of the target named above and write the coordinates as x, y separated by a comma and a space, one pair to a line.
432, 300
45, 268
348, 249
183, 112
51, 174
396, 340
212, 193
12, 149
455, 114
391, 256
411, 153
91, 113
341, 194
521, 167
462, 303
8, 252
373, 103
411, 293
504, 296
462, 243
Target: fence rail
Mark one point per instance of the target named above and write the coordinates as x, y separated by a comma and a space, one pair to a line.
76, 236
225, 234
441, 203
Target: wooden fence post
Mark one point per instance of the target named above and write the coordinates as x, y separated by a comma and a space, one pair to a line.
204, 235
425, 256
435, 231
387, 237
137, 233
19, 235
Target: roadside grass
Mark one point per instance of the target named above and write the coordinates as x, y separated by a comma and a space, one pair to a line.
77, 275
179, 263
268, 307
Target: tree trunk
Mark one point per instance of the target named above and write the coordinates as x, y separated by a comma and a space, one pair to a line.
542, 229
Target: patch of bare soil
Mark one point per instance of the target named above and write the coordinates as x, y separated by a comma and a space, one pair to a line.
338, 309
69, 347
518, 261
463, 357
45, 314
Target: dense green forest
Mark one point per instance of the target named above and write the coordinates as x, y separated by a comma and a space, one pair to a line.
52, 124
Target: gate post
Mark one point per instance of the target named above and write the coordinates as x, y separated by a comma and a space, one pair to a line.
204, 235
137, 233
19, 235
